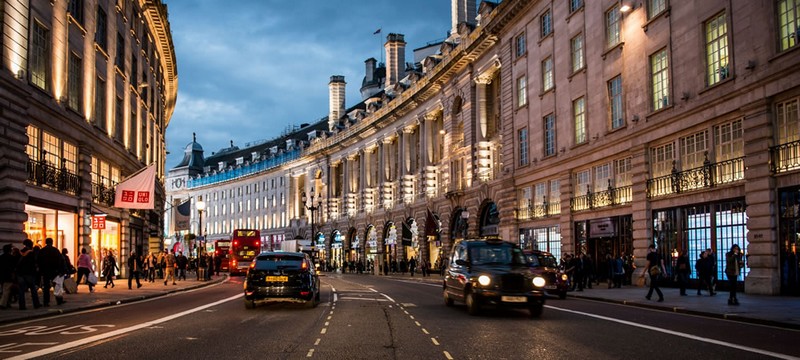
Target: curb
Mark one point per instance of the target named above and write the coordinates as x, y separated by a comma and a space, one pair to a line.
683, 310
103, 304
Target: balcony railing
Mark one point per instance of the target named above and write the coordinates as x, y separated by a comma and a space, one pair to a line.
706, 176
102, 194
609, 197
539, 211
45, 175
245, 170
785, 157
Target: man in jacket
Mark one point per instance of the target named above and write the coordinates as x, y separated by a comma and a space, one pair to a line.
26, 275
51, 265
134, 268
169, 267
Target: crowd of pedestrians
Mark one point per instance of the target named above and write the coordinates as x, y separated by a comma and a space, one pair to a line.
26, 271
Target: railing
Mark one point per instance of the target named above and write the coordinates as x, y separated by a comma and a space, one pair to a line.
45, 175
706, 176
102, 194
785, 157
610, 197
245, 170
537, 211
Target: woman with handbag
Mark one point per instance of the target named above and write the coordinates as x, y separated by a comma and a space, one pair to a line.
656, 269
110, 269
85, 269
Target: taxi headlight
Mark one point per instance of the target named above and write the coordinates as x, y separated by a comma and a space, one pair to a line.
539, 281
564, 277
484, 280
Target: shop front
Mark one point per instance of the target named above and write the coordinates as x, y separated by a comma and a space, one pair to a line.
432, 244
105, 238
59, 225
604, 238
789, 235
390, 245
337, 252
371, 252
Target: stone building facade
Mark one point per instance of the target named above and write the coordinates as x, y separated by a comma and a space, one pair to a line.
599, 128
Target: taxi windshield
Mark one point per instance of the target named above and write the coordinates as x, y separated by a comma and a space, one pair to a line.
496, 254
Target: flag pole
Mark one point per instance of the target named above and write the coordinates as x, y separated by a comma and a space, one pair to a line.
380, 43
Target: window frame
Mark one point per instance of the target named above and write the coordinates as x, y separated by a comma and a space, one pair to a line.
577, 57
717, 49
787, 39
520, 45
616, 102
546, 24
522, 91
549, 134
579, 120
524, 148
613, 26
548, 80
660, 80
39, 57
656, 8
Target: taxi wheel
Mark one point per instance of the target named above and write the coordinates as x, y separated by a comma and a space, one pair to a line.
536, 310
448, 301
473, 307
249, 304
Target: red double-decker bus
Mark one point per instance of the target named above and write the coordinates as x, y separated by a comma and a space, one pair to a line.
245, 245
222, 250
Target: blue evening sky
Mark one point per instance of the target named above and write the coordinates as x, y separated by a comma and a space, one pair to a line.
248, 69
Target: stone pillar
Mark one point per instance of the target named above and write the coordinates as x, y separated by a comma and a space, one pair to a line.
760, 197
642, 213
13, 160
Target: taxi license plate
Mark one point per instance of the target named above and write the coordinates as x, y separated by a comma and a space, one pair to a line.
277, 278
550, 287
514, 299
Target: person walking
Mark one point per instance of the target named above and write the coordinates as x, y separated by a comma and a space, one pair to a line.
51, 265
618, 271
110, 269
7, 265
704, 267
169, 267
84, 268
134, 268
412, 265
712, 258
656, 269
183, 262
733, 267
26, 275
683, 271
151, 267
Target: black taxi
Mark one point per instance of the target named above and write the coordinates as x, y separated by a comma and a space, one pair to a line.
282, 277
484, 272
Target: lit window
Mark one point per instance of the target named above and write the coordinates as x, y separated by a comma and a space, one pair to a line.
659, 67
549, 135
788, 29
522, 91
655, 7
579, 116
547, 74
717, 50
39, 60
577, 53
523, 147
788, 121
546, 23
613, 26
615, 102
661, 158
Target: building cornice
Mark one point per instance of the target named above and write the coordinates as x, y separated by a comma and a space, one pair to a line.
156, 13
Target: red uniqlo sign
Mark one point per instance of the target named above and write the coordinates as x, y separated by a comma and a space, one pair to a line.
98, 222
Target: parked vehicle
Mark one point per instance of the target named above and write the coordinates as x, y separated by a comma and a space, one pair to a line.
546, 265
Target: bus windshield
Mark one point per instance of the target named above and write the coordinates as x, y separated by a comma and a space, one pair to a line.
245, 245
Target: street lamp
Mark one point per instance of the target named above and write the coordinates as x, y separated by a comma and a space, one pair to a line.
201, 206
308, 203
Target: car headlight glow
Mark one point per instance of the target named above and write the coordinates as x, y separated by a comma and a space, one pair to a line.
539, 281
564, 277
484, 280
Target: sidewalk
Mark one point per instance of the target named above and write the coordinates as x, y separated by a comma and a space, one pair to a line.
779, 311
101, 297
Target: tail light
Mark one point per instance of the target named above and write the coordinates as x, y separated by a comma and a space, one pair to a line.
304, 266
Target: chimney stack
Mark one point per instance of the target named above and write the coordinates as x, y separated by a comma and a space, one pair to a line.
336, 91
463, 11
370, 71
395, 58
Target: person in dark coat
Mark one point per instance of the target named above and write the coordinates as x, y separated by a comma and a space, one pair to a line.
705, 268
26, 275
110, 269
51, 264
7, 265
682, 271
656, 270
134, 268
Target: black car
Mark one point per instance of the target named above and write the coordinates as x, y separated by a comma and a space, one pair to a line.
546, 265
492, 272
281, 277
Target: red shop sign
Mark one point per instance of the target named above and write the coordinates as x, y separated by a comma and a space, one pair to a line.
98, 222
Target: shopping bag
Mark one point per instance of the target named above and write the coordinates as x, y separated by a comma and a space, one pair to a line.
58, 286
92, 278
70, 286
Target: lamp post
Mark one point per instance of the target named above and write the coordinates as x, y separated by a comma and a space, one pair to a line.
308, 203
201, 206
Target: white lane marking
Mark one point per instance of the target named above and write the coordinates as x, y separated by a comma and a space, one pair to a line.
373, 290
333, 288
335, 297
329, 317
387, 296
411, 316
435, 342
310, 353
359, 298
417, 322
447, 355
118, 332
324, 330
327, 323
675, 333
405, 312
425, 331
317, 342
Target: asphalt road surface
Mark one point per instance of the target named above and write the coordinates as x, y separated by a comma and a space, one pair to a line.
369, 317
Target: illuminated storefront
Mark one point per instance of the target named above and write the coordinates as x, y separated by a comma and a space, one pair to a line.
49, 223
104, 238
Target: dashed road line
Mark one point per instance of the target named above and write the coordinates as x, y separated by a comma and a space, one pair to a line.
310, 353
435, 342
447, 355
425, 331
417, 322
324, 330
317, 342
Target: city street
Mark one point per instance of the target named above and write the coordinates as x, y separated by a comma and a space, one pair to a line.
375, 317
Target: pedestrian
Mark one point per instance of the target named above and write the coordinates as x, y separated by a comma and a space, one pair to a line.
51, 265
682, 271
151, 267
26, 275
704, 267
412, 265
712, 258
183, 262
84, 268
134, 268
110, 269
169, 267
656, 269
423, 267
161, 265
218, 264
733, 267
618, 269
7, 265
588, 270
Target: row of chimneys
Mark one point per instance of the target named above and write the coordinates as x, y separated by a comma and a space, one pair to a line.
395, 47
